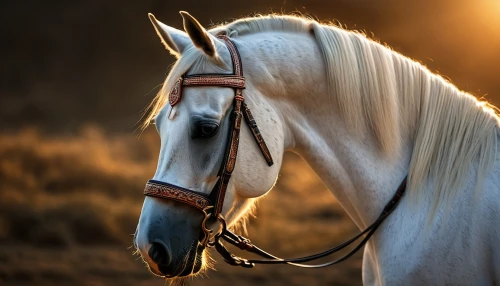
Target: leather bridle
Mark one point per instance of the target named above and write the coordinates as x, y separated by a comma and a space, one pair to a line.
211, 205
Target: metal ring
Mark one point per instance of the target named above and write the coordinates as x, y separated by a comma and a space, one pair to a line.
210, 237
205, 230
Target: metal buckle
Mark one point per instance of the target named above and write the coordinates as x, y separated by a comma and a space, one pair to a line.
211, 237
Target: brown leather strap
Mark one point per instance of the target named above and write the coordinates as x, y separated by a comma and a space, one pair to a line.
167, 191
256, 134
219, 192
214, 80
203, 80
235, 55
229, 158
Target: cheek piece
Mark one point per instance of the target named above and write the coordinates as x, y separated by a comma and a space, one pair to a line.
211, 205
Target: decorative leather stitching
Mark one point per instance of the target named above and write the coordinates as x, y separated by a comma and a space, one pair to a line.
175, 93
235, 56
227, 81
167, 191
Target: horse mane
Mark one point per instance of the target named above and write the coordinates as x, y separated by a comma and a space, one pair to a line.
389, 95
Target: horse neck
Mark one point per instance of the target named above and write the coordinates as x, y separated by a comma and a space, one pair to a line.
361, 179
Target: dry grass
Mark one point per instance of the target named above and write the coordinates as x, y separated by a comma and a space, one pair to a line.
69, 204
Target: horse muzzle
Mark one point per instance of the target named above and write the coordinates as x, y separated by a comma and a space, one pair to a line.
168, 238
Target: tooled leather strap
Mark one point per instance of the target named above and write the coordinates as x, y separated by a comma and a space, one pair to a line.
256, 134
164, 190
214, 80
233, 81
235, 55
219, 192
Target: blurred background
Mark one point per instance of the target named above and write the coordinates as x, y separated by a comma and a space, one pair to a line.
74, 79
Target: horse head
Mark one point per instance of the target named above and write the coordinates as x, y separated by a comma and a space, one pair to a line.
194, 129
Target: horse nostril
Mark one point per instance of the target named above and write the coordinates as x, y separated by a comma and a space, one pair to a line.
159, 254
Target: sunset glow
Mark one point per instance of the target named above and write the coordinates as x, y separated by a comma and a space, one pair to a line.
77, 75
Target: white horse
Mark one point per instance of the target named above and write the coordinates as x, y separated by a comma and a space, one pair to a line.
363, 117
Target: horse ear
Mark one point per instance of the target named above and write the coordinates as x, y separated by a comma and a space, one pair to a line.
174, 40
200, 37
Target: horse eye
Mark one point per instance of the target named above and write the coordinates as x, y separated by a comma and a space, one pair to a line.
208, 129
202, 127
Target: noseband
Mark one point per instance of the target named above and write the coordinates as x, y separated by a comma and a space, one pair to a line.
211, 205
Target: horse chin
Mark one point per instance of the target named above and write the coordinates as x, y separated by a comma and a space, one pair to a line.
193, 269
191, 265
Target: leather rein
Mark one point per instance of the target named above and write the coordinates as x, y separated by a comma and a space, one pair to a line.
211, 205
